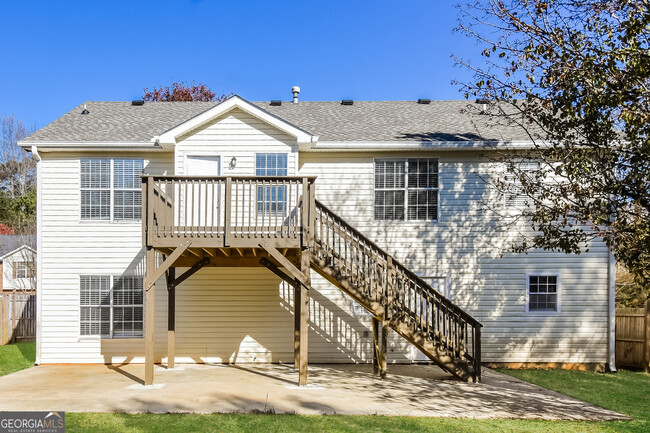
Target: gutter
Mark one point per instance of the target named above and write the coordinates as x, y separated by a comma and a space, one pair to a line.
44, 146
611, 281
350, 146
39, 249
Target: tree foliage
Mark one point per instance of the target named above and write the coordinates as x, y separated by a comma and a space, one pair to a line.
182, 92
17, 179
576, 75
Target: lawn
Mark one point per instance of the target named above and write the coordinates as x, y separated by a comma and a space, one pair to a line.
18, 356
626, 392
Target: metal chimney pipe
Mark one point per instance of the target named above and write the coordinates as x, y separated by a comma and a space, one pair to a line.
296, 91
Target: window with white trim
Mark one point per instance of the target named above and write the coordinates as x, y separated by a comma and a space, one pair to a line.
406, 189
111, 189
111, 306
23, 269
543, 292
271, 199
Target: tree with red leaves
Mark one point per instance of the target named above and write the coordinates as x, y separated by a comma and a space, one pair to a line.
6, 230
183, 92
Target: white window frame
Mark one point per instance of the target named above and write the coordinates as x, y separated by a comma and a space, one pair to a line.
558, 291
111, 189
110, 335
406, 190
263, 202
26, 266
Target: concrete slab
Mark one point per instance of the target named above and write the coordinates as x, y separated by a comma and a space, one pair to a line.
334, 389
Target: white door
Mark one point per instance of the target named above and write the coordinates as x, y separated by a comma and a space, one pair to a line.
203, 197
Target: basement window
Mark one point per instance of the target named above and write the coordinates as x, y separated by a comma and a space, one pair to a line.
111, 189
543, 293
406, 189
111, 306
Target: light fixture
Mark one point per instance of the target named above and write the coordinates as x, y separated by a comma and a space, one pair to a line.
233, 163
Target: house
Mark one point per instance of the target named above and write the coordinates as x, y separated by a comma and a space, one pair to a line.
17, 264
329, 232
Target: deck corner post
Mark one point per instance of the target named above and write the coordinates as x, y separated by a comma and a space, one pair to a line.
149, 318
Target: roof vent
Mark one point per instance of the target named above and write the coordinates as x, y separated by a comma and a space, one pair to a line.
295, 90
484, 103
347, 102
276, 103
137, 102
85, 110
424, 101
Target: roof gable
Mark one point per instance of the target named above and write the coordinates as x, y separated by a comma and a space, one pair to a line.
169, 138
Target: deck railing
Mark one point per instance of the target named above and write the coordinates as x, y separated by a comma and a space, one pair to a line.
415, 309
227, 211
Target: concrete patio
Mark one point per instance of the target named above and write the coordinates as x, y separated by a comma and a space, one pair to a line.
334, 389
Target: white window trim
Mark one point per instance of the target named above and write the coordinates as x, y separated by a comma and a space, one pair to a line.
111, 190
110, 336
406, 189
558, 292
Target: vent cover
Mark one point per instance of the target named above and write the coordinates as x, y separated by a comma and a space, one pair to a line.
347, 102
137, 102
424, 101
276, 103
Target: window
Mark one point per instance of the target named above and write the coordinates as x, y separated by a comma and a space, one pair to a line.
111, 307
271, 199
513, 196
111, 189
543, 292
23, 269
406, 189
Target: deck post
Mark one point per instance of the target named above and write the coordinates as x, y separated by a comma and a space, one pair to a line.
384, 349
149, 318
297, 304
171, 317
375, 345
303, 328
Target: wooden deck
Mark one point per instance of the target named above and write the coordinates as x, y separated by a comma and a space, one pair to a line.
276, 222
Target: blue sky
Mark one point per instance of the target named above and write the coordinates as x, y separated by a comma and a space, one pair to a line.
58, 54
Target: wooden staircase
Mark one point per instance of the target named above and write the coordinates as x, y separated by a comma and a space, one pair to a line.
396, 296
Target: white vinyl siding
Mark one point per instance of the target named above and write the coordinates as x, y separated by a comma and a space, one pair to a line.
470, 246
246, 314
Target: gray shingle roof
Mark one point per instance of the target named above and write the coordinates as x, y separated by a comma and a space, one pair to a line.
8, 243
365, 121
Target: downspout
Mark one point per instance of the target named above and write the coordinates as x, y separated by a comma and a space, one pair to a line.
39, 249
611, 280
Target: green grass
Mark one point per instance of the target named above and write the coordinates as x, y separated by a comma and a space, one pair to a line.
625, 392
18, 356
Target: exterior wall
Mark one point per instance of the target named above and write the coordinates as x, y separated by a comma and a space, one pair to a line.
245, 315
9, 283
466, 243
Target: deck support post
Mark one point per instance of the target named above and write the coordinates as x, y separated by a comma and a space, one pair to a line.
301, 317
171, 317
149, 318
380, 346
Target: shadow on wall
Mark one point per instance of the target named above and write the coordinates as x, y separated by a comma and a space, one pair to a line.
470, 242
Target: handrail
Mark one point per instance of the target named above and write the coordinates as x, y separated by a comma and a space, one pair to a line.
405, 297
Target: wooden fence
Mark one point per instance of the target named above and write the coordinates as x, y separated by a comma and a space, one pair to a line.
17, 317
633, 337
